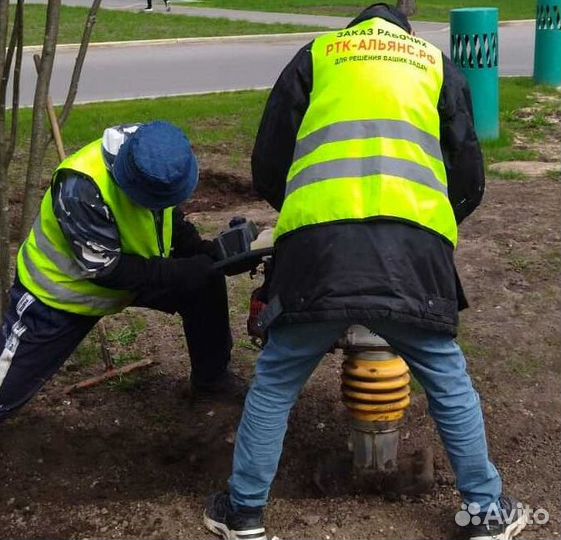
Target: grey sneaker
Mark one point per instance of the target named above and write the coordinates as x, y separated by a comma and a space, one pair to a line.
168, 7
502, 521
244, 524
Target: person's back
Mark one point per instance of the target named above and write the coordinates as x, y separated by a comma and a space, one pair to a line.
366, 201
367, 148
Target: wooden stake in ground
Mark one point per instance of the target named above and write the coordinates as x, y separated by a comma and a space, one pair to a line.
108, 375
52, 116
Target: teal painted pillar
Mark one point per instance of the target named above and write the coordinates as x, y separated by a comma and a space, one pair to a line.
547, 56
474, 48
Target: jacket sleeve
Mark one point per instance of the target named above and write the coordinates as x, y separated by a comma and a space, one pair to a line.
276, 138
87, 223
460, 148
91, 231
189, 267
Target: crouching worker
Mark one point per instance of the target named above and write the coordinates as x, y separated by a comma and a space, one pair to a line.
107, 237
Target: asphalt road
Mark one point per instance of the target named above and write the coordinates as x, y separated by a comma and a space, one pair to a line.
128, 72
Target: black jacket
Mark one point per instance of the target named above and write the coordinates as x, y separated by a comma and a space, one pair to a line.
362, 271
93, 235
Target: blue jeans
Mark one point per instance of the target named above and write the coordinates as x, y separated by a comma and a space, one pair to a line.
289, 358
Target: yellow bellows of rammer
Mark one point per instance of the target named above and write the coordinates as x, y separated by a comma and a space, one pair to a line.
375, 390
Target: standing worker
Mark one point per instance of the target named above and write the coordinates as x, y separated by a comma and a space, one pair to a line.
367, 148
107, 237
150, 9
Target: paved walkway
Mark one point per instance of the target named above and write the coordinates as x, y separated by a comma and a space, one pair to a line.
266, 17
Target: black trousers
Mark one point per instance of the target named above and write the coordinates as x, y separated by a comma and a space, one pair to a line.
36, 339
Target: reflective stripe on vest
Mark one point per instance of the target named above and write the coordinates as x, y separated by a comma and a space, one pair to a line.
68, 265
363, 167
368, 129
64, 295
369, 143
46, 263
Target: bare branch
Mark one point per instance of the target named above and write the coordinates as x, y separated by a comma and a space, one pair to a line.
18, 32
73, 88
4, 11
39, 138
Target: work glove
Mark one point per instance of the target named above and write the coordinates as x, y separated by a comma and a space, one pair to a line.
188, 274
186, 240
211, 248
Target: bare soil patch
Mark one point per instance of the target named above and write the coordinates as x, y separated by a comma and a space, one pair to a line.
220, 190
134, 460
527, 169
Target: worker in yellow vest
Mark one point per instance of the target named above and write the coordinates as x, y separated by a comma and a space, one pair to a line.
368, 151
109, 235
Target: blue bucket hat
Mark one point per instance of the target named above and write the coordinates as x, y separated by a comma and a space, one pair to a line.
156, 166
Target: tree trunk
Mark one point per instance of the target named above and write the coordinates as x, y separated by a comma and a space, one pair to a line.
40, 142
4, 241
4, 238
8, 141
39, 133
408, 7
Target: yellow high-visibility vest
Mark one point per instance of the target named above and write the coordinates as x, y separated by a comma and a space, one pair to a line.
369, 143
46, 264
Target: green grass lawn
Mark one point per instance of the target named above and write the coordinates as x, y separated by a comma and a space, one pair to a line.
223, 124
433, 10
226, 124
214, 122
516, 93
438, 10
114, 25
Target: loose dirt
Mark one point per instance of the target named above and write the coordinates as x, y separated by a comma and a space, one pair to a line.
133, 459
527, 169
